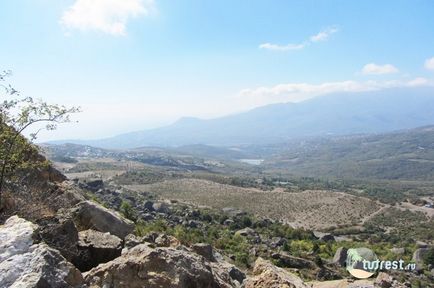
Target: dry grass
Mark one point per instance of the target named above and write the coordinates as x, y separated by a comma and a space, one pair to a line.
309, 209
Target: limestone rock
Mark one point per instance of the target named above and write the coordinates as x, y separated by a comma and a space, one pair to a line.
24, 264
96, 248
266, 275
89, 215
60, 234
15, 237
143, 266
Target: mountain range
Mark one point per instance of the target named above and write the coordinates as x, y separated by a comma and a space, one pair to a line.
333, 114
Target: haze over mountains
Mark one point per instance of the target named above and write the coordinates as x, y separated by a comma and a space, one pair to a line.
333, 114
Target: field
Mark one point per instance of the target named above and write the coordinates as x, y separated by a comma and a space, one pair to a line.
308, 209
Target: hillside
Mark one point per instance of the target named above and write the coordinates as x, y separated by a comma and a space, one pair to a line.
333, 114
404, 155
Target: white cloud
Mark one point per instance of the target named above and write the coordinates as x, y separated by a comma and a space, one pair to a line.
321, 36
276, 47
108, 16
324, 34
373, 68
419, 81
429, 64
297, 92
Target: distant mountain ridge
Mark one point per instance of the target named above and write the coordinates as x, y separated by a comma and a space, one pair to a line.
333, 114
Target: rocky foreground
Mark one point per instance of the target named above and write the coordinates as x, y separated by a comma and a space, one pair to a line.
91, 246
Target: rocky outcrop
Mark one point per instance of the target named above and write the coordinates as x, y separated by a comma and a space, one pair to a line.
250, 234
25, 264
385, 280
266, 275
161, 207
418, 257
143, 266
323, 236
340, 257
290, 261
205, 250
60, 234
89, 215
96, 248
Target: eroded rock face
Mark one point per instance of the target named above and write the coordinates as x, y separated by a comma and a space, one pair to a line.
60, 234
266, 275
144, 266
89, 215
95, 248
24, 264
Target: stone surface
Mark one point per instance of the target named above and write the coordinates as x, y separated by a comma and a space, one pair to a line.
266, 275
204, 250
383, 280
290, 261
323, 236
161, 207
143, 266
60, 234
24, 264
95, 248
340, 257
418, 256
89, 215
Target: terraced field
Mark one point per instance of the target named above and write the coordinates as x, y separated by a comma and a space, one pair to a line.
309, 209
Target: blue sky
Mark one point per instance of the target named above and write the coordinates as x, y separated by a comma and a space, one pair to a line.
136, 64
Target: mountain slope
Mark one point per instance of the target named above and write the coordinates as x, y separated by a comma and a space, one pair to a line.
334, 114
405, 155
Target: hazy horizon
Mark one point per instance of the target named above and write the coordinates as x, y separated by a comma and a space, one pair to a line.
140, 64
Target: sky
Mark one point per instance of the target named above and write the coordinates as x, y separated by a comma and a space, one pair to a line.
138, 64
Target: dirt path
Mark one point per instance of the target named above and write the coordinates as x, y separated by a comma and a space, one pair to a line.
368, 217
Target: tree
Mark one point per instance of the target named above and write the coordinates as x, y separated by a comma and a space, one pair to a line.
17, 115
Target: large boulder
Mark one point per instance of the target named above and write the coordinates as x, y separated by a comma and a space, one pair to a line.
323, 236
340, 257
418, 257
89, 215
25, 264
290, 261
266, 275
60, 234
250, 234
144, 266
161, 207
95, 248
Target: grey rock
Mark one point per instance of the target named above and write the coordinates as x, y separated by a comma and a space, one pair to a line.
25, 264
161, 207
60, 234
266, 275
340, 257
143, 266
204, 250
95, 248
290, 261
89, 215
237, 274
